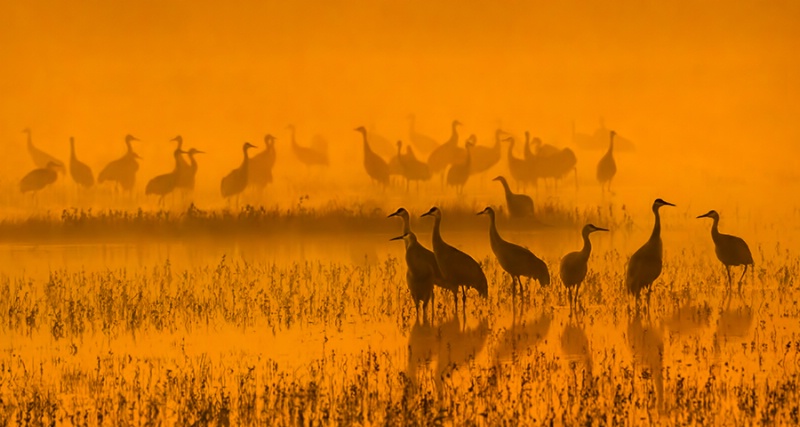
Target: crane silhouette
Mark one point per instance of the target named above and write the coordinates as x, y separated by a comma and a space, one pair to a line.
519, 205
484, 158
607, 167
39, 157
414, 169
166, 183
376, 167
458, 174
645, 264
575, 265
315, 155
235, 182
192, 172
515, 260
185, 180
423, 143
445, 154
39, 178
520, 170
123, 170
420, 275
458, 269
395, 164
731, 250
79, 171
261, 164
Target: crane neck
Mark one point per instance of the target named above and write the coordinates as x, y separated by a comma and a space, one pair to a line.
177, 155
611, 145
656, 235
72, 148
30, 140
291, 130
453, 136
587, 246
505, 187
193, 162
437, 236
246, 159
511, 148
494, 235
406, 224
715, 229
367, 149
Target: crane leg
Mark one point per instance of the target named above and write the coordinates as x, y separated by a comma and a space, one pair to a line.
464, 300
728, 270
741, 279
455, 299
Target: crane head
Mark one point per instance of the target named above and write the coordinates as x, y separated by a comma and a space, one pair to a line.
499, 178
178, 139
361, 129
269, 138
613, 134
488, 210
435, 212
591, 228
129, 138
401, 212
508, 139
26, 130
711, 214
53, 165
248, 145
457, 123
659, 203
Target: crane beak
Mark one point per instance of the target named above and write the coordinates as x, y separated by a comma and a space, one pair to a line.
199, 152
705, 215
668, 203
482, 212
397, 238
600, 229
392, 214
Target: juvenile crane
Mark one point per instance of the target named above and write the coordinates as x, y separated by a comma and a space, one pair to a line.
315, 155
79, 171
123, 170
420, 275
458, 174
645, 264
166, 183
607, 167
519, 205
376, 167
39, 178
261, 164
39, 157
574, 265
236, 181
515, 260
426, 255
458, 269
731, 250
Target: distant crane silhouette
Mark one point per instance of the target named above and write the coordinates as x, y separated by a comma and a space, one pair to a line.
607, 167
381, 145
235, 182
414, 169
185, 180
192, 173
376, 167
39, 178
519, 169
515, 260
519, 205
79, 171
458, 174
166, 183
458, 269
445, 154
645, 264
395, 166
315, 155
123, 170
575, 265
39, 157
731, 250
484, 158
423, 143
261, 164
420, 275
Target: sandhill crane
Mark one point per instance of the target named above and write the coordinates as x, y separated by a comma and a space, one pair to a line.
381, 145
166, 183
519, 169
261, 164
420, 275
315, 155
574, 265
423, 143
79, 171
458, 174
39, 157
484, 158
39, 178
426, 255
185, 181
376, 167
458, 269
515, 260
544, 150
645, 264
445, 154
395, 166
730, 250
519, 205
192, 173
123, 170
236, 181
414, 169
607, 167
